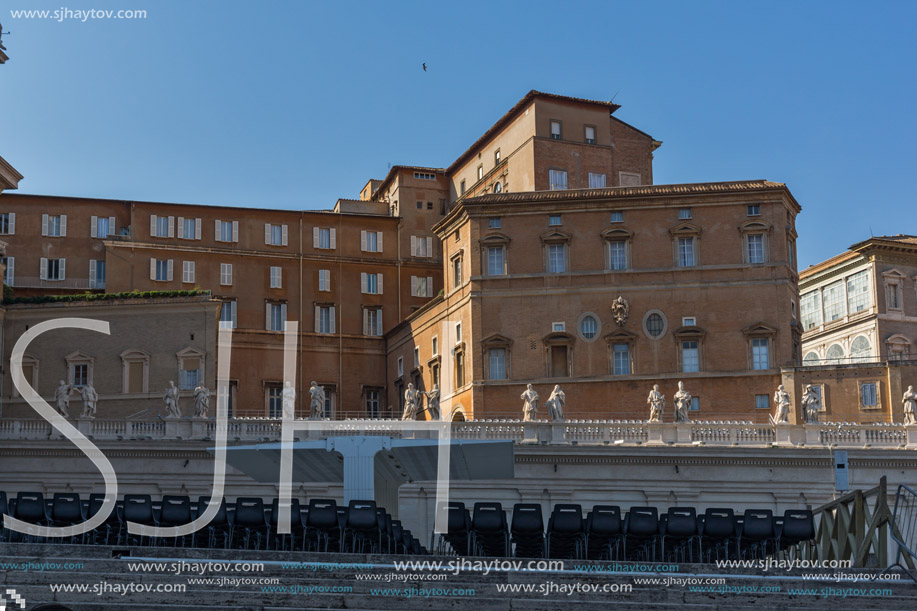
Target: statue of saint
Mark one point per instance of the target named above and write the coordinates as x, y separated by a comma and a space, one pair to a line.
316, 402
529, 403
782, 403
910, 406
288, 400
62, 398
682, 403
410, 404
90, 397
555, 404
433, 403
657, 404
811, 403
201, 401
170, 398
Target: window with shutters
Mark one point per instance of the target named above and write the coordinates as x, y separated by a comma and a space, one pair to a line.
276, 277
372, 321
323, 238
421, 246
324, 319
135, 366
226, 274
9, 273
275, 235
557, 180
189, 229
161, 270
161, 226
187, 272
324, 279
371, 241
53, 269
101, 226
8, 223
596, 181
54, 226
421, 286
227, 231
371, 284
276, 315
96, 274
228, 314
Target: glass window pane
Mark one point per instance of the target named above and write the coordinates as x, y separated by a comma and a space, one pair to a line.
690, 361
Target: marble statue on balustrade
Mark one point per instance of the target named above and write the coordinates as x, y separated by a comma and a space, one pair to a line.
811, 403
201, 401
62, 398
433, 403
288, 400
656, 401
556, 403
620, 310
410, 404
170, 398
910, 406
782, 403
682, 403
529, 404
316, 402
90, 398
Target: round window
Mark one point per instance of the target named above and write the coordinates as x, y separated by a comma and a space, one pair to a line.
654, 324
589, 327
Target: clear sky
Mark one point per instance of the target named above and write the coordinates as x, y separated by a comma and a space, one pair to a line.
294, 104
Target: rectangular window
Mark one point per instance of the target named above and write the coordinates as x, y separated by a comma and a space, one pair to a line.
458, 333
617, 254
372, 321
227, 231
435, 345
557, 180
276, 316
324, 279
324, 319
870, 394
480, 172
554, 220
187, 272
457, 272
893, 301
590, 135
8, 223
275, 402
97, 274
371, 241
755, 248
103, 226
690, 357
463, 188
9, 275
596, 181
762, 401
400, 367
54, 225
80, 374
497, 157
617, 216
163, 226
695, 404
459, 369
689, 321
494, 222
555, 130
760, 354
424, 176
497, 362
685, 252
558, 327
161, 270
557, 258
810, 309
684, 213
372, 404
754, 210
834, 301
276, 275
420, 205
226, 274
421, 246
858, 292
495, 261
621, 359
370, 284
189, 229
228, 314
421, 286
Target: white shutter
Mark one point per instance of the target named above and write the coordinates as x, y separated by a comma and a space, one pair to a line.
283, 317
413, 245
379, 321
363, 240
152, 269
363, 282
232, 311
366, 314
197, 228
429, 292
44, 224
63, 225
267, 316
111, 225
169, 276
217, 230
378, 241
379, 283
267, 233
153, 226
92, 273
315, 238
93, 226
171, 227
429, 247
318, 319
235, 231
12, 223
62, 266
181, 227
10, 271
283, 235
332, 238
414, 286
331, 317
43, 271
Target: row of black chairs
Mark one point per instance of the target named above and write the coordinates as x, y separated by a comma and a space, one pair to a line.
641, 533
321, 525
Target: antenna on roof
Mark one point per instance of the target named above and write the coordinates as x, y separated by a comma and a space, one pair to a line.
870, 232
615, 95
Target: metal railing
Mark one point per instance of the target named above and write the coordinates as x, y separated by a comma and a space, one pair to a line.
42, 283
904, 518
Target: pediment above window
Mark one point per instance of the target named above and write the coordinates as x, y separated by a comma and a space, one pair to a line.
759, 329
617, 233
555, 237
496, 341
495, 239
685, 229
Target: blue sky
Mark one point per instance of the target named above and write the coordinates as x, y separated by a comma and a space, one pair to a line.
294, 104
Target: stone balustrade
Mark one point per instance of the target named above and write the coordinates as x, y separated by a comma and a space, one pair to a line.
573, 432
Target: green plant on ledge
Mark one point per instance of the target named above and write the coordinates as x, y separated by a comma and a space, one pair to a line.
9, 300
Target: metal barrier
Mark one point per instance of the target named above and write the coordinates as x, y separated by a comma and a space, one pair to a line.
904, 534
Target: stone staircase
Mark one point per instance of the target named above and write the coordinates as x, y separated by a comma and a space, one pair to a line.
318, 584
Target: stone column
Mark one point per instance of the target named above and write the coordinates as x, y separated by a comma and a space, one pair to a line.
359, 468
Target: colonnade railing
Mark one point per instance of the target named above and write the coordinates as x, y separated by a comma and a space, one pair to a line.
574, 432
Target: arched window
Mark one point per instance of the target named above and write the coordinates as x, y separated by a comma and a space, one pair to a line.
810, 359
835, 354
860, 350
